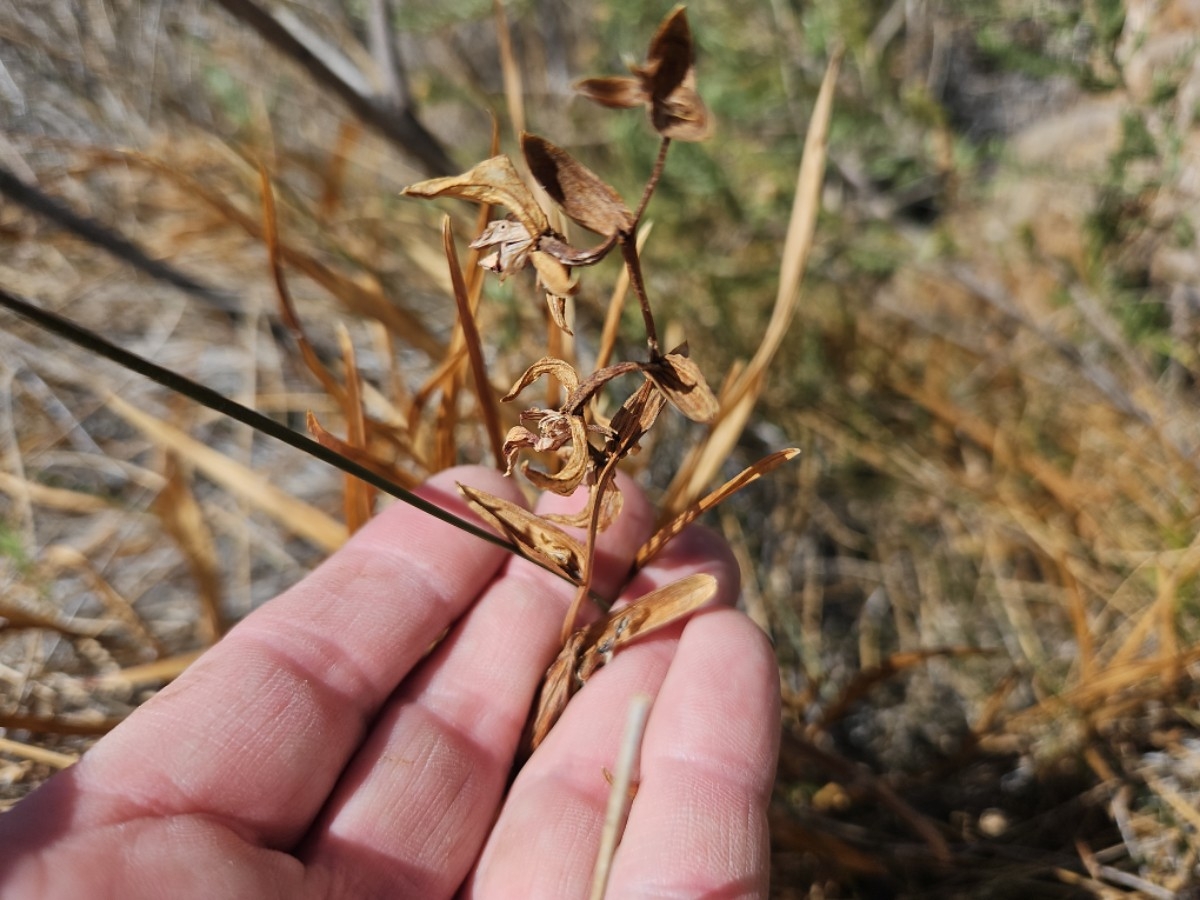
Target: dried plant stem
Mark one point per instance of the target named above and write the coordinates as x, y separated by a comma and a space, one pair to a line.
616, 304
619, 795
652, 182
633, 265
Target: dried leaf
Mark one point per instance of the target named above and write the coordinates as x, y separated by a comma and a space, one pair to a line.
683, 383
614, 91
304, 520
493, 181
562, 371
361, 455
536, 538
558, 686
577, 189
183, 519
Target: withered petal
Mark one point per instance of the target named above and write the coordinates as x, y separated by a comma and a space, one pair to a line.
493, 181
581, 193
554, 276
571, 475
547, 365
614, 91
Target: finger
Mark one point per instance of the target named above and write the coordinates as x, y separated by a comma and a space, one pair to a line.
544, 843
698, 825
416, 804
257, 732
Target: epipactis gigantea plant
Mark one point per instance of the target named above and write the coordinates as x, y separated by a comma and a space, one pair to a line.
589, 448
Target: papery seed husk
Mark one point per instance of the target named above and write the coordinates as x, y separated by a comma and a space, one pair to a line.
612, 504
645, 615
670, 57
635, 417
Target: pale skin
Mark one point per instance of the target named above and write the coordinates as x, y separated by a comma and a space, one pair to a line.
317, 751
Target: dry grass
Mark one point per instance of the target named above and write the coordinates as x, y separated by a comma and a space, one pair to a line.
980, 573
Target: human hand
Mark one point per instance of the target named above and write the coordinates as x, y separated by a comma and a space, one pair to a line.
318, 751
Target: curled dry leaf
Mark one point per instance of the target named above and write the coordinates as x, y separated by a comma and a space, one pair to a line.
536, 538
577, 189
494, 181
589, 648
666, 83
683, 383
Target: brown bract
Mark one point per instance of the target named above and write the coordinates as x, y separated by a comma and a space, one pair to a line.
576, 188
536, 538
684, 385
665, 83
